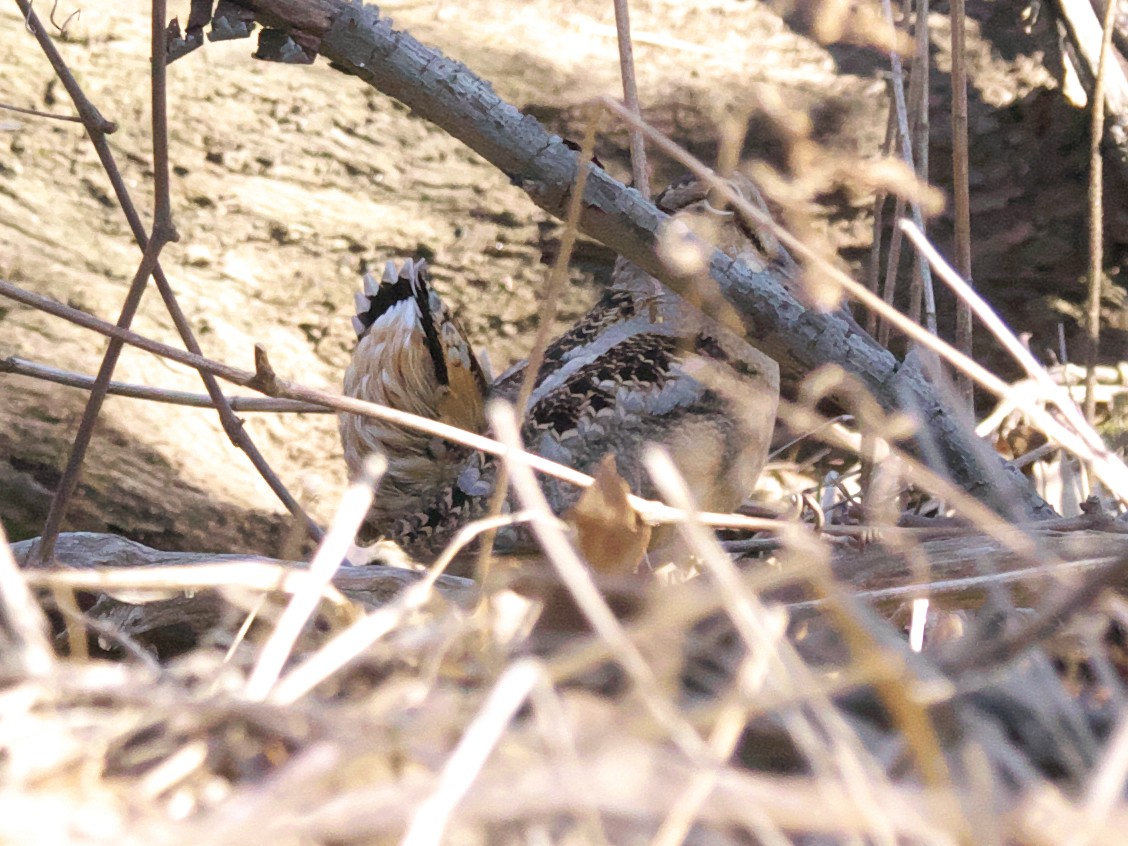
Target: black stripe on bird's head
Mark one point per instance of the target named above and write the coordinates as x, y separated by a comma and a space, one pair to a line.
408, 284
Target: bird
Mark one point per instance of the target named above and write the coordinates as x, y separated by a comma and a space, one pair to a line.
411, 355
629, 372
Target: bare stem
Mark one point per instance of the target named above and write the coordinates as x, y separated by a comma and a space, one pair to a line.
907, 155
163, 227
919, 123
639, 170
1096, 214
23, 618
960, 191
873, 272
46, 373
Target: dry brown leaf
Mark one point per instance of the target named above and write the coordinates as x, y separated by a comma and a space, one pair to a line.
611, 535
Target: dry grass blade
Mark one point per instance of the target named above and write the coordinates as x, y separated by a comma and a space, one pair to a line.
351, 513
172, 578
851, 771
1106, 787
557, 277
723, 740
23, 618
1096, 210
575, 576
906, 137
762, 650
1083, 440
482, 735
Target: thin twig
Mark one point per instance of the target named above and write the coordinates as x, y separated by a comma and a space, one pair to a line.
919, 122
164, 229
873, 272
10, 108
163, 232
68, 481
639, 170
97, 127
907, 155
1096, 212
892, 263
44, 372
961, 211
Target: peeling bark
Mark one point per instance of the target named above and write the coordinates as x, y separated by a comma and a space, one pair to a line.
357, 41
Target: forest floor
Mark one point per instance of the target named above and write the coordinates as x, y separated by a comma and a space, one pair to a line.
289, 181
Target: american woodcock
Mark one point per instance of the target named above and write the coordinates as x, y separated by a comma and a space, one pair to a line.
619, 378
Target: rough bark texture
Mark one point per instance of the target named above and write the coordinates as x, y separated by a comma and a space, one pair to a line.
359, 42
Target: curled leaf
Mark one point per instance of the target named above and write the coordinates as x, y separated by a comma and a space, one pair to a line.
610, 533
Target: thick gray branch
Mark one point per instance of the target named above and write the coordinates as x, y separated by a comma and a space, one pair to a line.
359, 42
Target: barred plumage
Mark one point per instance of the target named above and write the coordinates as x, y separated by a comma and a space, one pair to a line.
412, 355
617, 379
